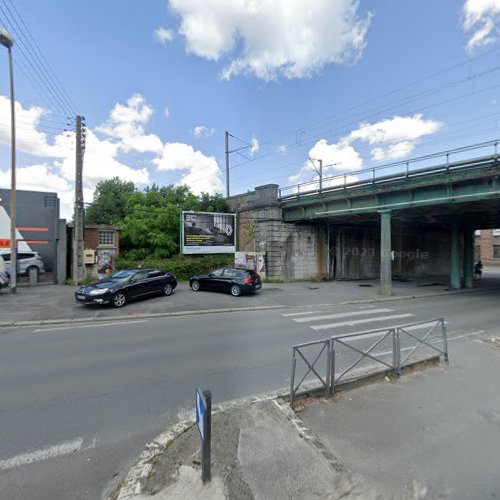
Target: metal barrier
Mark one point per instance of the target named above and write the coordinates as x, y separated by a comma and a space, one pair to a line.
436, 327
401, 338
370, 353
301, 349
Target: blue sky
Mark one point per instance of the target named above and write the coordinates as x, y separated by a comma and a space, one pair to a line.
355, 83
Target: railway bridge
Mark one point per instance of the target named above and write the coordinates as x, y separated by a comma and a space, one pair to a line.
403, 219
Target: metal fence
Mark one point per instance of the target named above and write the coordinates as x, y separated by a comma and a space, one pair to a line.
350, 357
441, 162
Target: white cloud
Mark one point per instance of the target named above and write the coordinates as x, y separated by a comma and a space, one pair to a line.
282, 149
391, 139
481, 19
36, 177
203, 173
28, 138
126, 123
340, 156
254, 145
163, 35
396, 137
273, 38
167, 111
203, 131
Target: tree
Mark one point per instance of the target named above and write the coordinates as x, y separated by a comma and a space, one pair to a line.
111, 197
151, 227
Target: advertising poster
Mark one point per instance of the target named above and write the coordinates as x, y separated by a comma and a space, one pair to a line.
205, 232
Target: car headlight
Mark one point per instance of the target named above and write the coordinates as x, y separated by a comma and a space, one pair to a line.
99, 291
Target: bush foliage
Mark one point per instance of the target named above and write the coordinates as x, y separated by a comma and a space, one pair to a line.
183, 267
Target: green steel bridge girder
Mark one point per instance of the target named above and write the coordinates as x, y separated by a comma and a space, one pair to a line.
465, 186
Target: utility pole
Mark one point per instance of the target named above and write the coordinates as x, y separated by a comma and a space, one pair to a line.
227, 164
320, 175
78, 217
318, 171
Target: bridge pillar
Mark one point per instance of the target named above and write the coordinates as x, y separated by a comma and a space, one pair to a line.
468, 257
455, 280
385, 253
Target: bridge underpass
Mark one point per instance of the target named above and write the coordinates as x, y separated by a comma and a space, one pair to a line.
415, 221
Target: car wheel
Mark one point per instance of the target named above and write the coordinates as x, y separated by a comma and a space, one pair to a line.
235, 291
167, 289
119, 299
195, 285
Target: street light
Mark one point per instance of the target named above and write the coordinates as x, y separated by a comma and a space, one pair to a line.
7, 41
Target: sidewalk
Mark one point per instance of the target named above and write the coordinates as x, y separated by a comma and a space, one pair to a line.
431, 434
56, 302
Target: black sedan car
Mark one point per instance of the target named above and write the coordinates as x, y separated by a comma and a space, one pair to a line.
235, 280
127, 285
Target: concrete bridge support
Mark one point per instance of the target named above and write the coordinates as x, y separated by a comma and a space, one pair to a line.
455, 279
468, 257
385, 253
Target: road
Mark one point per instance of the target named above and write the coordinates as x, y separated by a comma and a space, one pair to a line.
78, 402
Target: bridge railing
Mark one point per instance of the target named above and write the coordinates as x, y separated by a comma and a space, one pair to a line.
446, 160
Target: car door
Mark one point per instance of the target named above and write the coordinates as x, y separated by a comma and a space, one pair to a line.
155, 282
227, 279
213, 282
138, 284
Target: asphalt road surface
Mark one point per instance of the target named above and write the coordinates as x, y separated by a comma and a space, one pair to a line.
79, 402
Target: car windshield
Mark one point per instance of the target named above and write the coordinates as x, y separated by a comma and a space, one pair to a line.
122, 275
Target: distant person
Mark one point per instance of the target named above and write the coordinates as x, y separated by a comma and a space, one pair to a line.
478, 269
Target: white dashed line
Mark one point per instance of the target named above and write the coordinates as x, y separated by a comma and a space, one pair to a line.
300, 314
342, 315
58, 450
360, 321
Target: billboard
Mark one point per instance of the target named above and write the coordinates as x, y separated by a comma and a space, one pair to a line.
206, 232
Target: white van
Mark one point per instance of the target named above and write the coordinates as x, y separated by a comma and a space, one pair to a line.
4, 278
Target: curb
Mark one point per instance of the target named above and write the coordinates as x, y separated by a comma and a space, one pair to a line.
5, 324
133, 483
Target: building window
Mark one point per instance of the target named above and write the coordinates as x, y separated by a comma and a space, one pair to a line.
496, 232
477, 232
106, 238
496, 251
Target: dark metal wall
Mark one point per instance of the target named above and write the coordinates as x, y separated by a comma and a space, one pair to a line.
39, 213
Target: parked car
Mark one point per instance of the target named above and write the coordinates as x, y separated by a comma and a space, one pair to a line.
124, 286
25, 262
235, 280
4, 277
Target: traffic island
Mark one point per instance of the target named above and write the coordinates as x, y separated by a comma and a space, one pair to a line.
260, 449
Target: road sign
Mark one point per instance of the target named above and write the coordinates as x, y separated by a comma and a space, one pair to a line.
204, 423
200, 412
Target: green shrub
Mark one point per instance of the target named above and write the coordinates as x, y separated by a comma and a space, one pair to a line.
182, 266
84, 281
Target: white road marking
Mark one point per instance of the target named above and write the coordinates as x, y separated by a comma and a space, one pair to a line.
342, 315
359, 321
300, 314
74, 327
58, 450
380, 333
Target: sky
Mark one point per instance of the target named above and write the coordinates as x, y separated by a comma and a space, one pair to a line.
355, 83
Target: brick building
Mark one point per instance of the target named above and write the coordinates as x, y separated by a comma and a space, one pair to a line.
487, 246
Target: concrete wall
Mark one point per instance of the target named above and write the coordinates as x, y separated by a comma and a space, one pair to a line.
355, 252
292, 251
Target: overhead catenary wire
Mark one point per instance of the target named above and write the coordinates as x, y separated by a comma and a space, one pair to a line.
32, 64
45, 62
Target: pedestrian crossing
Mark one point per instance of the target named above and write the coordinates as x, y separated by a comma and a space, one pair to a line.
320, 321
